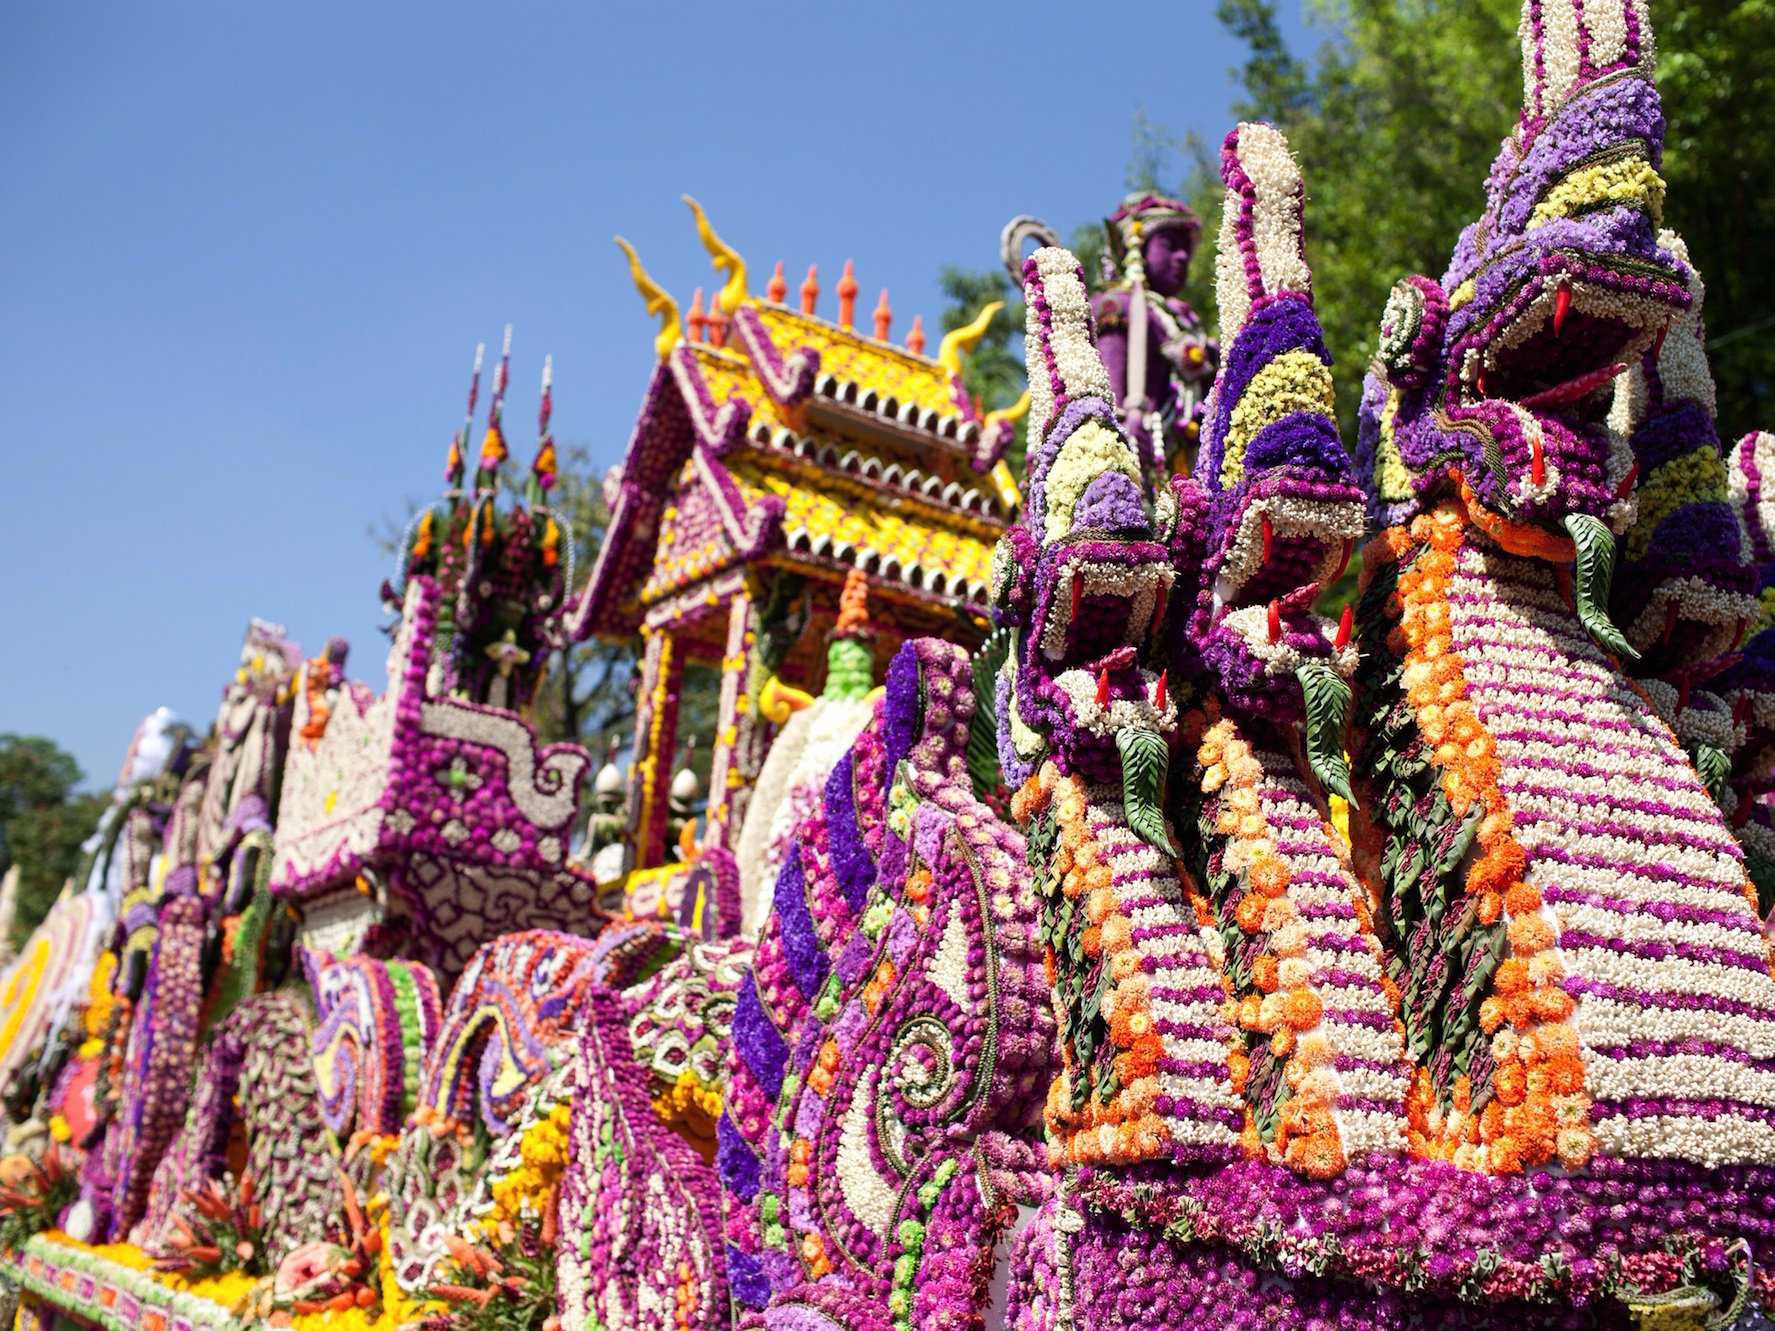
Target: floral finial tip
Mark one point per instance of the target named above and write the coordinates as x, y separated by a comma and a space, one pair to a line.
1059, 350
1262, 242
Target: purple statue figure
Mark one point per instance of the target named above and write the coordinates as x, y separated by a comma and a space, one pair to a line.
1161, 364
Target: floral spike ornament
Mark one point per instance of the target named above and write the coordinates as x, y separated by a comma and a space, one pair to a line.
1283, 508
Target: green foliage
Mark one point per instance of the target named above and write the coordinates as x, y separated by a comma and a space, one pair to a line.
43, 820
1145, 760
989, 663
1398, 114
1328, 704
1595, 545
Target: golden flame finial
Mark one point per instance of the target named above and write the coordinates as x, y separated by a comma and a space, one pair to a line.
959, 341
659, 302
725, 258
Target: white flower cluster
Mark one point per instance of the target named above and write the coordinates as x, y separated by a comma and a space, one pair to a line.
1252, 623
1080, 687
1289, 516
1067, 340
1275, 237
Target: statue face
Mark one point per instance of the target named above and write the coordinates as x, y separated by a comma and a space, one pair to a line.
1167, 257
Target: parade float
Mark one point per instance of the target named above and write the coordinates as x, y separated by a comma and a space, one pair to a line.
1083, 931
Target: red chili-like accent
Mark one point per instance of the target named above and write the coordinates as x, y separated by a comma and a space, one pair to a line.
1078, 592
1103, 688
1275, 621
1628, 482
1562, 306
1345, 623
1269, 537
1159, 691
1537, 463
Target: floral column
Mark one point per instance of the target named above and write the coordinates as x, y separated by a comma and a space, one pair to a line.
656, 734
727, 780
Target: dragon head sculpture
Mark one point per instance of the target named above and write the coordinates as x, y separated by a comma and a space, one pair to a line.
1496, 382
1083, 578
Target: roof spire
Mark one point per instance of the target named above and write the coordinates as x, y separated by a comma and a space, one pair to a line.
543, 469
884, 317
659, 301
847, 295
453, 466
810, 289
698, 321
493, 449
725, 258
915, 338
778, 290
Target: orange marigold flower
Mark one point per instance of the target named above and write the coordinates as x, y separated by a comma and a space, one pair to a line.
1552, 1005
1263, 973
1504, 1156
1269, 875
1490, 907
1510, 1083
1302, 1009
1282, 1042
1530, 934
1522, 899
1512, 976
1249, 912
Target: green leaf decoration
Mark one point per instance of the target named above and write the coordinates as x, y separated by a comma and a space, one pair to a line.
1595, 544
989, 662
1145, 759
1762, 877
1713, 766
1328, 702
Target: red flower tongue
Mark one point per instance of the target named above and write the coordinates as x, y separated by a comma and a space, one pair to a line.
1572, 390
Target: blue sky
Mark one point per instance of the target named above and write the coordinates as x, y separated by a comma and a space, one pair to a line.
246, 251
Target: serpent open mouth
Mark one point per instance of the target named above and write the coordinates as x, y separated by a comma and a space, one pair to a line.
1540, 376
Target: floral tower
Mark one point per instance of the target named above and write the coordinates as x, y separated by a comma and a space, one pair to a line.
777, 450
433, 809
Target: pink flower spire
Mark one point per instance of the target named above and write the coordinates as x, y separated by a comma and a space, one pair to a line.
778, 290
543, 469
884, 317
847, 295
810, 289
696, 320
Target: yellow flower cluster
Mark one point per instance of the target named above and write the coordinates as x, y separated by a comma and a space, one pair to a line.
527, 1190
1630, 180
1294, 381
99, 1004
853, 521
692, 1107
1698, 475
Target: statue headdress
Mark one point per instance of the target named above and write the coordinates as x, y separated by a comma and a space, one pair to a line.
1140, 215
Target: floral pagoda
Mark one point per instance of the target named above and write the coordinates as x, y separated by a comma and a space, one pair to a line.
777, 450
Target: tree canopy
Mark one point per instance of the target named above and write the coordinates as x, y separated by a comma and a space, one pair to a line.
43, 820
1396, 116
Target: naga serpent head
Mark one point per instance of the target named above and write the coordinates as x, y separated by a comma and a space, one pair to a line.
1283, 510
1496, 381
1084, 575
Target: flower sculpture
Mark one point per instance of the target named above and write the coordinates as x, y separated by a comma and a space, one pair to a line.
890, 1041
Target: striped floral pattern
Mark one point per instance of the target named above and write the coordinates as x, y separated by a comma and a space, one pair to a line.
1322, 1066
